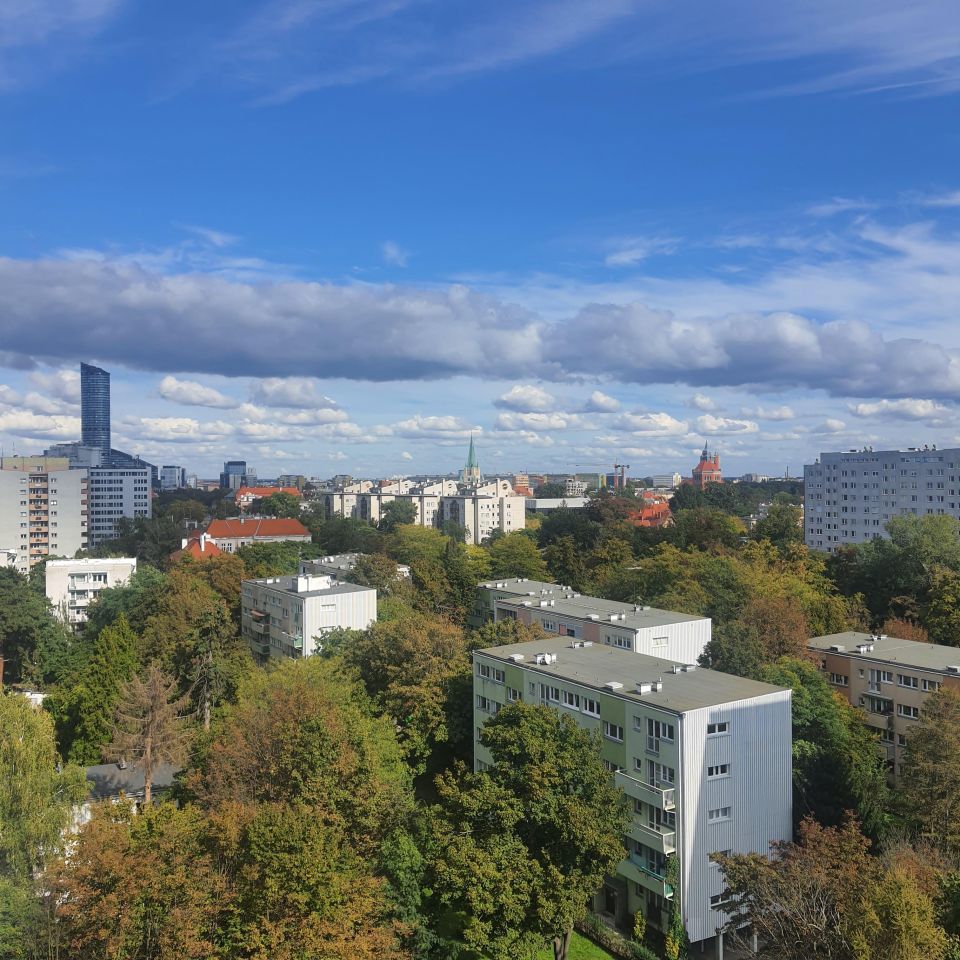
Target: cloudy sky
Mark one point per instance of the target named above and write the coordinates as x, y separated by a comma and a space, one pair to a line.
340, 235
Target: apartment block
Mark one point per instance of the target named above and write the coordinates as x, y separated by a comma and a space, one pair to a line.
72, 585
559, 610
888, 678
704, 759
288, 616
483, 509
116, 493
43, 509
850, 497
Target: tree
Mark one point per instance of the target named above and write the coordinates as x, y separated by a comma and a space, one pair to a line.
783, 524
704, 527
137, 600
836, 766
521, 848
397, 512
26, 623
550, 491
565, 562
347, 535
150, 539
942, 614
223, 574
84, 713
929, 786
218, 658
825, 896
516, 555
379, 571
149, 726
184, 510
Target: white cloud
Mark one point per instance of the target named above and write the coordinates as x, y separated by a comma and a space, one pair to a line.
296, 392
651, 424
633, 250
406, 455
177, 429
394, 254
23, 423
439, 428
711, 425
700, 401
63, 384
601, 403
951, 199
524, 398
837, 205
903, 409
193, 394
538, 421
216, 238
770, 413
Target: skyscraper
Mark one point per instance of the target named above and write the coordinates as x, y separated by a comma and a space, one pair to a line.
95, 408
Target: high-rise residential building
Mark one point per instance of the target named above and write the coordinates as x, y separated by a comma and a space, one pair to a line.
95, 408
483, 509
850, 497
117, 493
470, 474
43, 509
72, 585
888, 679
288, 616
704, 758
708, 470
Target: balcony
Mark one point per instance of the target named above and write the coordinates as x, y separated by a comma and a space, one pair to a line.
639, 870
662, 797
663, 841
263, 649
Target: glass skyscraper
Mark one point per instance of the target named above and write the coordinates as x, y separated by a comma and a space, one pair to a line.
95, 408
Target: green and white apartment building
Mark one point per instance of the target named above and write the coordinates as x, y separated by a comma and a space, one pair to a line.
703, 757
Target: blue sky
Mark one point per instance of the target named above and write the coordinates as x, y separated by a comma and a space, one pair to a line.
338, 235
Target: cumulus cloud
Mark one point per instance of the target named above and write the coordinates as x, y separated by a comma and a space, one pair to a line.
62, 384
193, 394
394, 254
711, 425
297, 392
524, 398
434, 428
538, 421
904, 409
601, 403
700, 401
24, 423
651, 424
406, 455
770, 413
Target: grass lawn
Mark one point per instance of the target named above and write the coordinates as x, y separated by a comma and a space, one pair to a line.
580, 949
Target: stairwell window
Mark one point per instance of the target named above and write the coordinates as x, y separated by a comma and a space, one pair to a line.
716, 729
721, 813
718, 771
590, 707
613, 731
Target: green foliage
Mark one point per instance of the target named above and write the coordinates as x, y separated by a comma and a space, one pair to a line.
347, 535
277, 559
550, 491
31, 640
836, 765
397, 512
521, 848
705, 527
516, 555
137, 600
569, 523
565, 562
150, 539
942, 614
781, 526
278, 505
676, 943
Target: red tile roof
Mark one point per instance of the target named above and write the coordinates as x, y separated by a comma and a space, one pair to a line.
257, 492
236, 527
199, 550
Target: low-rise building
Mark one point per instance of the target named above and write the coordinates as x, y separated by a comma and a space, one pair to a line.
235, 532
888, 679
72, 585
572, 487
288, 616
704, 758
199, 547
546, 504
666, 481
245, 496
340, 566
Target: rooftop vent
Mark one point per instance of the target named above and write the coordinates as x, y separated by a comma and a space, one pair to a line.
613, 685
654, 686
864, 647
837, 648
515, 657
953, 669
594, 616
545, 658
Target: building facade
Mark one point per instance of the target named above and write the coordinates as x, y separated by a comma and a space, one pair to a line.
72, 585
95, 408
236, 474
288, 616
484, 509
850, 497
116, 493
340, 566
572, 487
666, 481
233, 533
44, 509
888, 679
704, 759
172, 477
708, 470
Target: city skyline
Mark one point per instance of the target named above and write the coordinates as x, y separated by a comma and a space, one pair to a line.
341, 238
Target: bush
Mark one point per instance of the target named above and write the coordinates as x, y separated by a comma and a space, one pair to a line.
596, 930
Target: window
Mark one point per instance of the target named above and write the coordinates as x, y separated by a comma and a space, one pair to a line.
719, 900
721, 813
839, 679
612, 767
718, 771
513, 695
590, 707
930, 686
487, 705
624, 643
570, 699
660, 730
613, 731
658, 774
904, 680
911, 713
659, 642
716, 729
483, 766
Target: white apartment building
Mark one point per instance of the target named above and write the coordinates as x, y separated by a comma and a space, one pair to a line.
115, 493
72, 585
8, 556
43, 509
288, 616
850, 497
574, 488
364, 500
705, 760
482, 509
666, 481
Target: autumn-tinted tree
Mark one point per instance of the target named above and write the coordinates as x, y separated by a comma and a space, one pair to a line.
905, 630
149, 725
836, 765
929, 785
521, 848
782, 525
825, 896
706, 527
516, 555
941, 615
223, 574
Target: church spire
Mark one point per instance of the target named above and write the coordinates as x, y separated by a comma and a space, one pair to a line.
471, 471
472, 456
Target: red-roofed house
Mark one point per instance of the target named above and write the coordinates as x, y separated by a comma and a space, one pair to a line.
232, 534
199, 546
246, 495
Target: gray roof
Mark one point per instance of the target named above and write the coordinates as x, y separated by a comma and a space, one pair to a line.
597, 664
886, 649
634, 616
520, 585
287, 584
109, 780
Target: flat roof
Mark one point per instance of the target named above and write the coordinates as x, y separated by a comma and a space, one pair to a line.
887, 649
598, 664
521, 585
634, 616
288, 585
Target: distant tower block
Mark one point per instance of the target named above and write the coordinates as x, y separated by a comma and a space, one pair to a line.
471, 471
707, 470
